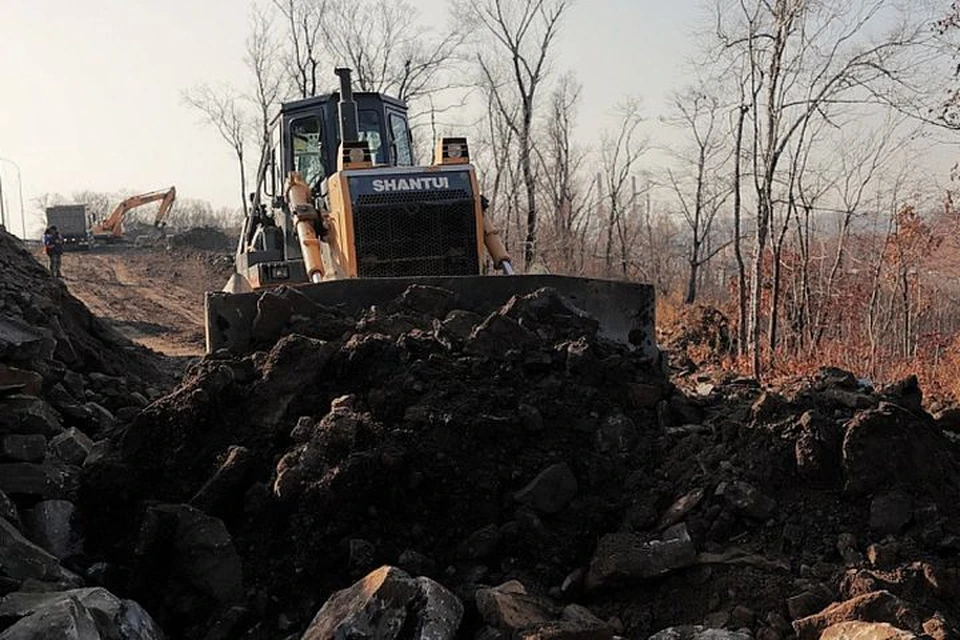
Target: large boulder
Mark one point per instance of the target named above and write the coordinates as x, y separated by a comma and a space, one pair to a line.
856, 630
510, 608
199, 547
21, 559
44, 480
113, 618
65, 620
551, 491
50, 525
697, 632
923, 455
385, 603
29, 415
622, 558
877, 606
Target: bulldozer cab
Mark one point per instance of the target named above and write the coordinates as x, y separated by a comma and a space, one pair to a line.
310, 135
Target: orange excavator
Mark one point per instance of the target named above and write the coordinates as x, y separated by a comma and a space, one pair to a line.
111, 229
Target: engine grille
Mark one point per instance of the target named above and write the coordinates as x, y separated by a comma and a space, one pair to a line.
423, 233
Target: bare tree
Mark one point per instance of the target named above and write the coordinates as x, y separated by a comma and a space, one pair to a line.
222, 109
523, 32
388, 47
697, 114
262, 59
803, 60
302, 60
619, 155
562, 162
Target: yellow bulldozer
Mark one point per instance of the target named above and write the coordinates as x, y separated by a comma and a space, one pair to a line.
343, 213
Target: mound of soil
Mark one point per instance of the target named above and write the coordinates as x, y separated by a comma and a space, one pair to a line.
700, 333
558, 485
209, 238
72, 338
521, 447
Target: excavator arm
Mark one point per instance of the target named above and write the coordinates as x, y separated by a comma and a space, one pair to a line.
112, 227
165, 206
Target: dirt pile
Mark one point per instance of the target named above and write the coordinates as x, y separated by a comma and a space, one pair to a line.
67, 380
554, 483
209, 238
417, 432
700, 335
503, 476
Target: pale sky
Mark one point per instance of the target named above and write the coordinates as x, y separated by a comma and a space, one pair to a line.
90, 90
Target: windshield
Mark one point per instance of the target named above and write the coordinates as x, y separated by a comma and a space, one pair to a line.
308, 149
369, 129
401, 140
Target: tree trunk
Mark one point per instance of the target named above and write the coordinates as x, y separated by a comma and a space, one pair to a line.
529, 245
737, 247
243, 184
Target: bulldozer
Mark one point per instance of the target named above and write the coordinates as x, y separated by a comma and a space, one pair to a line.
343, 213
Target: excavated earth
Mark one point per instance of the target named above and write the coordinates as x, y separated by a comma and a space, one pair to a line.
502, 476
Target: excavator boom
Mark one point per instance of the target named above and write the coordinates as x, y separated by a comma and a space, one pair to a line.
111, 229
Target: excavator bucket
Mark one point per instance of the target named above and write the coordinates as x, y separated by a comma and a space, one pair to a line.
241, 322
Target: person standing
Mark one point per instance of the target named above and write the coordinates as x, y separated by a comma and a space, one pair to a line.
53, 246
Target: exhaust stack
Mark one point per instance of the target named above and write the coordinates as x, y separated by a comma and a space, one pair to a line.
349, 129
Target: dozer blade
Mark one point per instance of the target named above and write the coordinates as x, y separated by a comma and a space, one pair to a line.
624, 310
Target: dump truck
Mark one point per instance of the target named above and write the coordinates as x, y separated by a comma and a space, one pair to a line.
71, 222
344, 214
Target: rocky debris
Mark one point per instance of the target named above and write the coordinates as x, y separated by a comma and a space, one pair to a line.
890, 512
511, 612
63, 375
23, 448
31, 480
502, 448
388, 603
513, 448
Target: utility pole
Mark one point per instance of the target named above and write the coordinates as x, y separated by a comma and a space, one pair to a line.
23, 217
3, 214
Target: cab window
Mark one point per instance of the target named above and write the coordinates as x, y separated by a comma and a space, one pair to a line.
369, 130
401, 140
308, 149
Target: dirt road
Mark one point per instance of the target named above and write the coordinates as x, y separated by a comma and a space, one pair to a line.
152, 295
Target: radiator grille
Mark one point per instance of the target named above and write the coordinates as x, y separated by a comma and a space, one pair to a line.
423, 233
